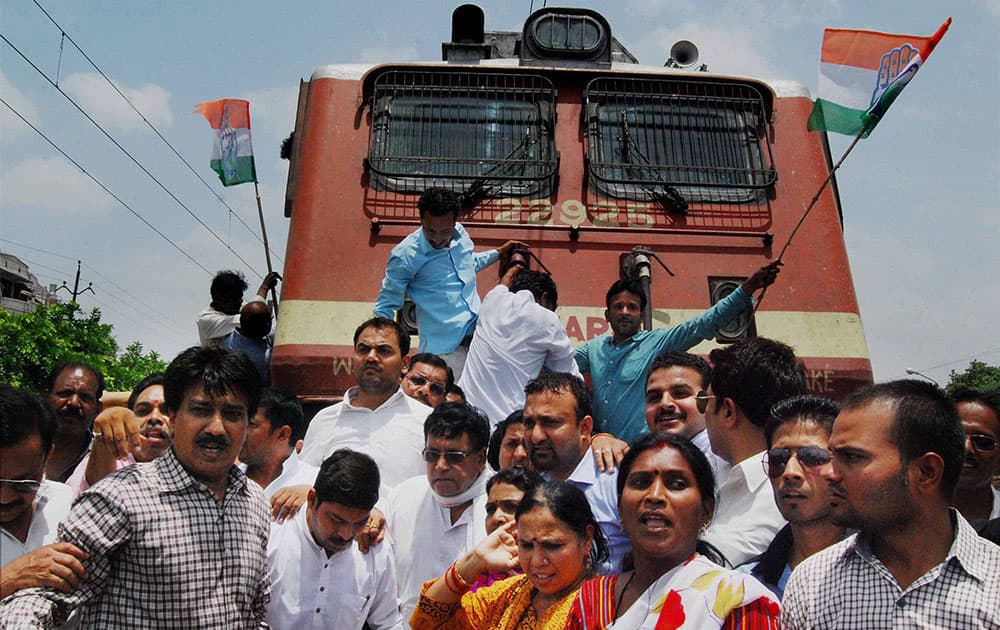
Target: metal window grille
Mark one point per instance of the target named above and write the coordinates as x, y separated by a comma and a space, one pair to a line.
650, 139
481, 134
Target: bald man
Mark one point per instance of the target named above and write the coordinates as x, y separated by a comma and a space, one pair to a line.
253, 338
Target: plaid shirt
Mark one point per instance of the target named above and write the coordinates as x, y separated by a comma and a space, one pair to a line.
164, 552
846, 586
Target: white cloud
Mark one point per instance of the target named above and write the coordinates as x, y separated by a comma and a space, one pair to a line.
54, 185
10, 125
110, 109
272, 117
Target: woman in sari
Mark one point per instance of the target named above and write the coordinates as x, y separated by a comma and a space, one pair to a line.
666, 496
554, 539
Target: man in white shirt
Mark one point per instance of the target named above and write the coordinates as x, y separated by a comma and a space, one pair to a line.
517, 335
675, 378
427, 378
319, 578
223, 314
375, 417
748, 378
557, 426
30, 506
268, 456
434, 519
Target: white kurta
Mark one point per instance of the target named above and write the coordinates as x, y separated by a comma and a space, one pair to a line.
515, 337
424, 540
746, 517
52, 504
392, 435
312, 590
294, 472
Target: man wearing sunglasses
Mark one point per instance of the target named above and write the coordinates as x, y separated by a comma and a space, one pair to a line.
427, 379
897, 451
31, 507
748, 378
435, 518
798, 433
975, 496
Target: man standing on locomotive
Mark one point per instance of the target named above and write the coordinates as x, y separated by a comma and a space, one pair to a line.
437, 267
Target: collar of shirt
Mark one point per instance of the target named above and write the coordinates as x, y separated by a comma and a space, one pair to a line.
424, 248
752, 472
609, 340
391, 401
173, 477
585, 473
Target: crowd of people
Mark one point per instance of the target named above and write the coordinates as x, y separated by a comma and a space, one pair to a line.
496, 478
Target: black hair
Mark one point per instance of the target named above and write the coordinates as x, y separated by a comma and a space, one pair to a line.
926, 421
451, 420
496, 440
803, 408
755, 374
50, 379
679, 358
228, 284
700, 467
22, 414
349, 478
538, 282
549, 381
282, 408
156, 378
626, 284
218, 370
521, 478
439, 202
381, 323
989, 399
434, 360
455, 389
569, 504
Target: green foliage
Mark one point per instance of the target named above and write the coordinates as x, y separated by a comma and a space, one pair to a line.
978, 376
35, 343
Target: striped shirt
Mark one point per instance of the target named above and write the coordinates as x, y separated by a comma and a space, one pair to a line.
164, 552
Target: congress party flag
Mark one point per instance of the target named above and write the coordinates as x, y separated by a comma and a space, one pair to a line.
232, 153
861, 73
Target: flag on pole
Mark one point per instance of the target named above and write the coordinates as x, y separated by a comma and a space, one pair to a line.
232, 153
861, 73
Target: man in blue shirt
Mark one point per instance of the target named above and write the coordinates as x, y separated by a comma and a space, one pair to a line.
436, 266
618, 362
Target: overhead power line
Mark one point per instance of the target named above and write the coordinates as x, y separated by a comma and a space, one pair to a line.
103, 187
149, 124
127, 153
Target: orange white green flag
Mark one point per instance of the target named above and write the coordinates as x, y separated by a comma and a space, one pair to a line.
232, 153
861, 73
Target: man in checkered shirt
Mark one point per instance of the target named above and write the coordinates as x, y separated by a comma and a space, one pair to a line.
915, 562
180, 541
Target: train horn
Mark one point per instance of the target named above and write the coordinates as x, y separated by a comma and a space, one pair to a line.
683, 54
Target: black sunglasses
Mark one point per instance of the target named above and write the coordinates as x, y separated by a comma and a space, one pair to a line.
452, 458
982, 443
810, 458
435, 388
701, 400
21, 486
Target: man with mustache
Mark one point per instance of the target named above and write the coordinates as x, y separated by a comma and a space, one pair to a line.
179, 540
318, 576
428, 379
618, 362
897, 451
74, 391
436, 267
375, 417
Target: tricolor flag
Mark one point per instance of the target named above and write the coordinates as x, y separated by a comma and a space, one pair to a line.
232, 154
861, 73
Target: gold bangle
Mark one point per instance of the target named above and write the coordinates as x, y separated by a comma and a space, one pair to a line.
594, 437
458, 576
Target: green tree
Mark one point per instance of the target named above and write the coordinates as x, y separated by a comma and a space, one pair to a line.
978, 376
34, 343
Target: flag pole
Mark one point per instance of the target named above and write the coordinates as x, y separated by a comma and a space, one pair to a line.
267, 248
815, 199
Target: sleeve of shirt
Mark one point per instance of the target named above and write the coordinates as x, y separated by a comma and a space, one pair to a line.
704, 326
384, 614
98, 525
560, 357
398, 273
485, 259
213, 324
582, 356
262, 597
760, 614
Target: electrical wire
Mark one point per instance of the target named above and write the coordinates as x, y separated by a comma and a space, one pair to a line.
103, 187
127, 153
151, 126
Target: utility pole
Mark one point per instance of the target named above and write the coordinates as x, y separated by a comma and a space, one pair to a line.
76, 285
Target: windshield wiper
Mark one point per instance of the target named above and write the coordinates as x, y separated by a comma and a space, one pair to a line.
669, 198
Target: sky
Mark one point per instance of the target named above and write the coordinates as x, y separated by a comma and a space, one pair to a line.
921, 196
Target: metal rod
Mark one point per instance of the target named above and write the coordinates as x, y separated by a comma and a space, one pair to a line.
267, 248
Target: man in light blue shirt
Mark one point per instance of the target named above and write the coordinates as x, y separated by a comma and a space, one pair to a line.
618, 362
436, 266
